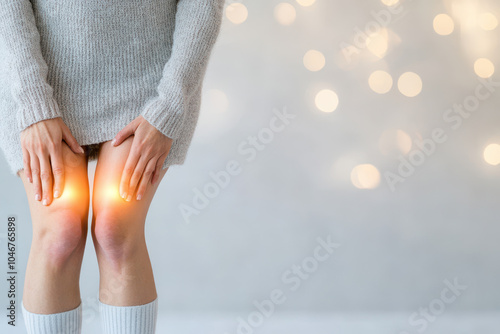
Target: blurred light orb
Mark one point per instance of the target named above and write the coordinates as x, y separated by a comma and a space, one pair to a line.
410, 84
484, 68
443, 24
389, 2
285, 13
378, 43
237, 13
394, 142
380, 82
306, 3
365, 176
216, 100
488, 21
492, 154
327, 100
314, 60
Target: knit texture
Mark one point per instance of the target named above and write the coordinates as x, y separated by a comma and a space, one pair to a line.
69, 322
139, 319
99, 64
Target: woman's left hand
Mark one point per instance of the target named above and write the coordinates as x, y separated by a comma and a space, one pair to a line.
149, 150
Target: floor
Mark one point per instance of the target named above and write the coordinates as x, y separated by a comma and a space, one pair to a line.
323, 324
389, 323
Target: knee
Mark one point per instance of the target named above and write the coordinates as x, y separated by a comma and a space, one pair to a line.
59, 238
116, 235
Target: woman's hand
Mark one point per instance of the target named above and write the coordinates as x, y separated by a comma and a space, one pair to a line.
42, 156
149, 150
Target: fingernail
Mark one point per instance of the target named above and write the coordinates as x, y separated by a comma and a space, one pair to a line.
44, 201
129, 198
124, 195
56, 193
81, 150
29, 179
113, 141
139, 197
37, 197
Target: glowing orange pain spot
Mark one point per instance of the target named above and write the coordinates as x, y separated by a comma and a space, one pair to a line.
69, 193
111, 192
74, 191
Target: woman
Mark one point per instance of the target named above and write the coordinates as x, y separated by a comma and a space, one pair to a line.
122, 79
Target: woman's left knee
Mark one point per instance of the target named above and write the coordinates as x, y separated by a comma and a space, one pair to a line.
116, 234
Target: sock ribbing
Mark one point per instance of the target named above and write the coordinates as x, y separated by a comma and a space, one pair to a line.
68, 322
140, 319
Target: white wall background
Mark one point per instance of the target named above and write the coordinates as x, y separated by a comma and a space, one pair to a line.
396, 247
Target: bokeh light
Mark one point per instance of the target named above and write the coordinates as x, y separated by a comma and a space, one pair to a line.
380, 82
378, 43
306, 3
314, 60
327, 100
394, 142
390, 2
492, 154
410, 84
285, 13
484, 68
443, 24
237, 13
488, 21
365, 176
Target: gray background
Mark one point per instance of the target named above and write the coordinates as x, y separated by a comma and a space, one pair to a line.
397, 248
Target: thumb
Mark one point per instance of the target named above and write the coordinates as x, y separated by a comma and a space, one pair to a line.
124, 133
71, 141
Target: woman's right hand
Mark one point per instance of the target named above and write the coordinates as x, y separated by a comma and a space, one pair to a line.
42, 156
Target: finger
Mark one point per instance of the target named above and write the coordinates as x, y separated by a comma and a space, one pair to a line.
46, 178
35, 173
124, 133
136, 177
143, 185
56, 161
71, 141
159, 165
26, 165
132, 159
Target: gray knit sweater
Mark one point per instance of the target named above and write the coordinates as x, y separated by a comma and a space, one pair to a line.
99, 64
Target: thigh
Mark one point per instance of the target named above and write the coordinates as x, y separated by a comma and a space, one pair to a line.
106, 199
74, 200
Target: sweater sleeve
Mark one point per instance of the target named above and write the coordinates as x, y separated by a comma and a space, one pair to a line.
197, 24
27, 68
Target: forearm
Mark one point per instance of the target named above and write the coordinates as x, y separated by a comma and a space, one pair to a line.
27, 68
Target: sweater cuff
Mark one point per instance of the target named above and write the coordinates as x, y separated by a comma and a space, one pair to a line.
166, 116
35, 107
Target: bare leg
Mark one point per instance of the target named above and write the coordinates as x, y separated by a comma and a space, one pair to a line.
59, 233
126, 275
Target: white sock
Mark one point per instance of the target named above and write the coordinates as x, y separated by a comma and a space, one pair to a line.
140, 319
68, 322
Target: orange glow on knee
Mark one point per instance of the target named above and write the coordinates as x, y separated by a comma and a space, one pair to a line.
111, 192
108, 191
74, 191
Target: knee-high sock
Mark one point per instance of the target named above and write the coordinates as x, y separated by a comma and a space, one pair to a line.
69, 322
140, 319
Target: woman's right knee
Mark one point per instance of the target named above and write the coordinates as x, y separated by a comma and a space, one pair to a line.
60, 235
